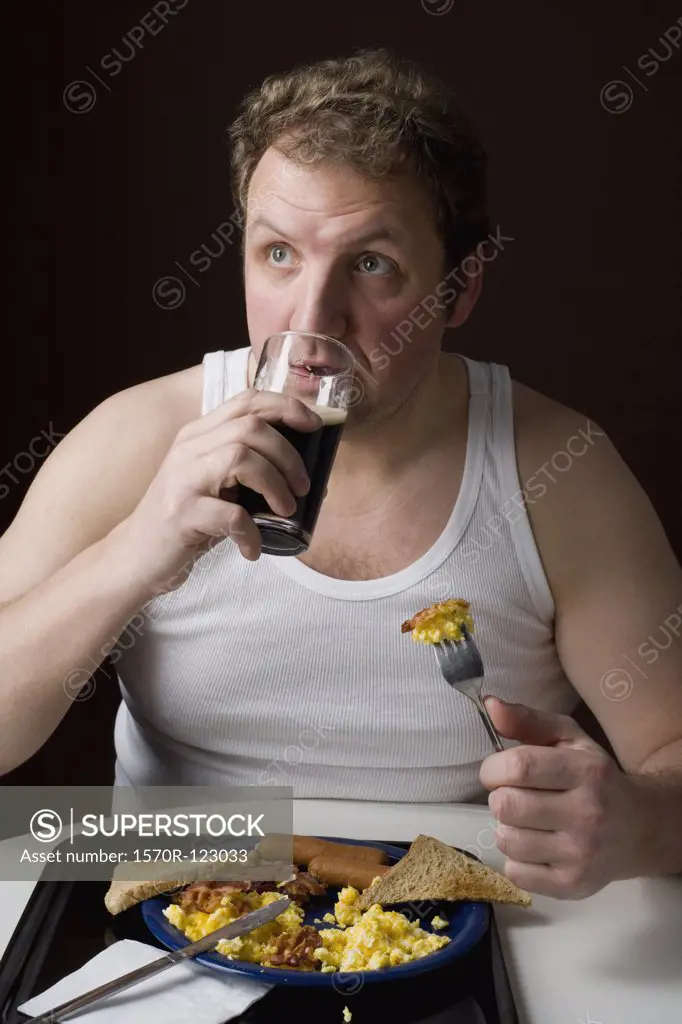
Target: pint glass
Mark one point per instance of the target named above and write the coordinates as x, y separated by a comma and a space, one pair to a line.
319, 371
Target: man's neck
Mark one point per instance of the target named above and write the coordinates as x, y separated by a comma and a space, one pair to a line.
386, 444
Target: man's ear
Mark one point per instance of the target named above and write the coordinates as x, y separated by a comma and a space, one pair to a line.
466, 298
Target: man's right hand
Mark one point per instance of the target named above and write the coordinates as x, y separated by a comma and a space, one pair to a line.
181, 513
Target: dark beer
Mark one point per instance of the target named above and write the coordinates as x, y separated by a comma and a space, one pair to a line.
281, 535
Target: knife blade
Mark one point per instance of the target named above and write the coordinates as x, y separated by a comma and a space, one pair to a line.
242, 926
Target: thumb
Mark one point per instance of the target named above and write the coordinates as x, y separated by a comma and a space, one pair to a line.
530, 726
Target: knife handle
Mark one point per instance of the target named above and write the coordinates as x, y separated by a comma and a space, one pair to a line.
117, 985
241, 926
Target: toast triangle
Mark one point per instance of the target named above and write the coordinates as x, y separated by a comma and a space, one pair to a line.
122, 895
431, 870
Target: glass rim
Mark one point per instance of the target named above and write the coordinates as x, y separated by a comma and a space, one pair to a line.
312, 334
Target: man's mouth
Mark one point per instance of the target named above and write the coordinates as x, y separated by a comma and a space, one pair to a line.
313, 369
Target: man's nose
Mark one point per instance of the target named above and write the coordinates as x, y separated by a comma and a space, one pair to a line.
320, 308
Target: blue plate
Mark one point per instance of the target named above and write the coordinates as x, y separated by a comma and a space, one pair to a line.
467, 924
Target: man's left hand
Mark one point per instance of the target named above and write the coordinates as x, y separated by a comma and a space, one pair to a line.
567, 814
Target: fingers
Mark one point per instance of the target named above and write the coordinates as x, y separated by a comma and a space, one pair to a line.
214, 517
251, 432
532, 846
528, 725
547, 880
211, 521
259, 436
268, 405
531, 808
225, 468
533, 768
245, 533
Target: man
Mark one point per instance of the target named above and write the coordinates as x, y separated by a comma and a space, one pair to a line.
363, 194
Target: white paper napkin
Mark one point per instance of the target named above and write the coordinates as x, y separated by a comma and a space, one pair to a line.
182, 993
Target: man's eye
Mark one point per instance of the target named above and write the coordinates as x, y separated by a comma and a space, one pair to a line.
376, 265
277, 254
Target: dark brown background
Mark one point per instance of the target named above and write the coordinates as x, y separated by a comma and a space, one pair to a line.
584, 305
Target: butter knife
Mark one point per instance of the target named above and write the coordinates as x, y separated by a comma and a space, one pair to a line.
241, 926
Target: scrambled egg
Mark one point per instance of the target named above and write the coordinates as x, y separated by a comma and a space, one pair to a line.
346, 912
347, 1015
440, 621
252, 947
439, 922
362, 942
378, 938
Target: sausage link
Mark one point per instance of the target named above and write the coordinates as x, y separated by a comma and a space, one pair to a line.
272, 847
340, 871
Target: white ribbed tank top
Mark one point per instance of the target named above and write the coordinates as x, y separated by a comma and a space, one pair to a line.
270, 673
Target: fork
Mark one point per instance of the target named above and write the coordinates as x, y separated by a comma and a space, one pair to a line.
461, 666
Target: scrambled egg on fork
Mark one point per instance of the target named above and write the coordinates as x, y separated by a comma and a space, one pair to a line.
373, 940
441, 621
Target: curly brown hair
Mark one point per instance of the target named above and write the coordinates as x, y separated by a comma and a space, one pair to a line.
380, 114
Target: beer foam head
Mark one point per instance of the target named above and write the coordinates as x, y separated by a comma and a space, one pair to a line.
331, 417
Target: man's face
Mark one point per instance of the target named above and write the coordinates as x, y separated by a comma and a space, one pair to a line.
334, 253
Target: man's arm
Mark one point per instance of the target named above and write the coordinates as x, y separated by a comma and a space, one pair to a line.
617, 588
616, 583
68, 585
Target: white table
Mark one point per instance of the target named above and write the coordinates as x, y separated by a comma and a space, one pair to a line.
615, 958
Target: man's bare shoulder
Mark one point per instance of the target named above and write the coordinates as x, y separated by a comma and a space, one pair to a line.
95, 477
132, 431
566, 461
579, 492
548, 433
164, 403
